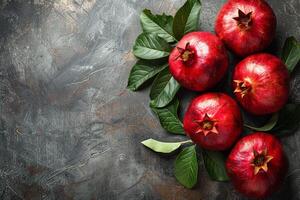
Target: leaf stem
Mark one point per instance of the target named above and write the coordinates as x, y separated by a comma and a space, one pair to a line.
248, 126
185, 142
268, 126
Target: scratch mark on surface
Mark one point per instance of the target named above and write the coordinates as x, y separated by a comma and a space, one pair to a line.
89, 76
160, 5
58, 172
148, 110
293, 172
3, 192
289, 7
93, 155
10, 188
47, 179
135, 184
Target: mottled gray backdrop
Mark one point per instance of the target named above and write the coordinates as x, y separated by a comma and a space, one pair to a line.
68, 127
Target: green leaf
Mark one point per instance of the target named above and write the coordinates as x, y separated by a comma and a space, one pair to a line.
291, 53
169, 119
164, 89
268, 126
289, 119
151, 46
141, 72
186, 19
158, 24
161, 147
159, 83
166, 95
186, 167
215, 165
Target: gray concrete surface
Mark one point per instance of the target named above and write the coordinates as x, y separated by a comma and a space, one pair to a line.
69, 129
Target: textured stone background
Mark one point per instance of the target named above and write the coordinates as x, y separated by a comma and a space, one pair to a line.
68, 127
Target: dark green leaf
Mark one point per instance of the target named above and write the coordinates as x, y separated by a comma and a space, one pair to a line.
160, 83
169, 119
151, 46
215, 165
187, 18
141, 72
166, 95
291, 53
289, 119
161, 147
268, 126
164, 89
159, 24
247, 131
186, 167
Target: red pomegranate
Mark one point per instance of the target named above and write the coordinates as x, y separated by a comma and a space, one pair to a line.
213, 121
261, 83
246, 26
257, 165
199, 61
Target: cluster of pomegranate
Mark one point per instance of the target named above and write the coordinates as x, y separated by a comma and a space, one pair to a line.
260, 83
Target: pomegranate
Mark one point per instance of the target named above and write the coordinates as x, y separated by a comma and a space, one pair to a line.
199, 61
257, 165
261, 83
246, 26
213, 121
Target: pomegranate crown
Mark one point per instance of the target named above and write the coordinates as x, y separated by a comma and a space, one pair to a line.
185, 54
206, 125
242, 87
244, 21
260, 161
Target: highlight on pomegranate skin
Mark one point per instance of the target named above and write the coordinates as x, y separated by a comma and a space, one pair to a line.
199, 61
246, 26
213, 121
257, 165
261, 84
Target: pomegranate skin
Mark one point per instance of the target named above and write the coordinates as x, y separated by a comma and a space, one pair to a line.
246, 34
225, 117
241, 170
205, 67
266, 88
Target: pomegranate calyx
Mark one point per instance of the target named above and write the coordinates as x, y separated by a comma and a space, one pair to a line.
242, 87
244, 21
260, 161
207, 125
185, 54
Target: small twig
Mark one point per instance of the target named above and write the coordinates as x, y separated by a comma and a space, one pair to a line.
18, 131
